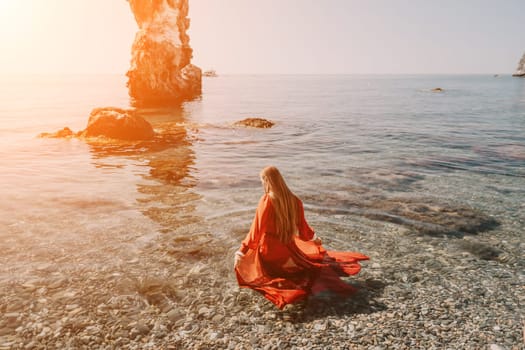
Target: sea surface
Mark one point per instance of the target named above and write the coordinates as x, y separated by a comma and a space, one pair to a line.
338, 141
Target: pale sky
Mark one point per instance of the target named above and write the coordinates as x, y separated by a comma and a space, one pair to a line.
274, 36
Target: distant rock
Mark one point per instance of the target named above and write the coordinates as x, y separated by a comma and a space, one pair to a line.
210, 73
255, 123
66, 132
161, 72
117, 123
438, 89
520, 71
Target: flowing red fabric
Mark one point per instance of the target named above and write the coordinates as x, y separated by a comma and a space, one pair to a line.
287, 273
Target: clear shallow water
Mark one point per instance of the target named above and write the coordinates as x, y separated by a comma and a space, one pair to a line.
465, 144
337, 138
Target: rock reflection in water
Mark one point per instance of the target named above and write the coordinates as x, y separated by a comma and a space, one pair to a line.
169, 157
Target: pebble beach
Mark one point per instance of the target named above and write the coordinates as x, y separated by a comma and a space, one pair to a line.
418, 291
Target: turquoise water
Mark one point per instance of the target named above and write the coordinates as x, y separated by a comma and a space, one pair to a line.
336, 139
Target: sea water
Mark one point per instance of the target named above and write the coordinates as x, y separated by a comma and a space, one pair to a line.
335, 137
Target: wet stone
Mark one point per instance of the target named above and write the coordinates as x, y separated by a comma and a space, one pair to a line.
204, 311
255, 123
175, 315
58, 283
31, 345
15, 305
142, 328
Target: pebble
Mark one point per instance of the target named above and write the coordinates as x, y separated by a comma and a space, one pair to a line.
142, 328
31, 345
74, 312
204, 311
11, 317
496, 347
175, 315
319, 326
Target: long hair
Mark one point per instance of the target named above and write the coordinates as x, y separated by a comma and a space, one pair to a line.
285, 203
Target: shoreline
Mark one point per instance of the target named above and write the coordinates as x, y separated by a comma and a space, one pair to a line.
416, 292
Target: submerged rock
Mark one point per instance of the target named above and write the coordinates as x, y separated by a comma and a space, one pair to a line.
117, 123
520, 71
481, 250
161, 72
255, 123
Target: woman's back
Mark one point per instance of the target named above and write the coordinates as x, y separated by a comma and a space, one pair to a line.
279, 256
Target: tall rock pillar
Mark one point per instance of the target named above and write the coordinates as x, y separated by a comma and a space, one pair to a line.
161, 72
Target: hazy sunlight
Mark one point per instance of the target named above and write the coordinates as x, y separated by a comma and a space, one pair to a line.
12, 15
64, 37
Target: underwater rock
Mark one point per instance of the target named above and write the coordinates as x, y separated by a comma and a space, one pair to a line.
520, 71
117, 123
422, 215
161, 72
433, 218
255, 123
481, 250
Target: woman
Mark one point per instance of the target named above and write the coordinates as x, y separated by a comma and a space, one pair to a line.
281, 257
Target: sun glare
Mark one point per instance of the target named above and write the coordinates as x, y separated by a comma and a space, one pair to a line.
8, 7
12, 15
4, 4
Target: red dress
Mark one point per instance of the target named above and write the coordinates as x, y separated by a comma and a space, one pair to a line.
287, 273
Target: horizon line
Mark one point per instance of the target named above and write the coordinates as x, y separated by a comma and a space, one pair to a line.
8, 74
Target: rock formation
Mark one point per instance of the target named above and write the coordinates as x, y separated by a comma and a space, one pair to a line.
161, 72
520, 71
117, 123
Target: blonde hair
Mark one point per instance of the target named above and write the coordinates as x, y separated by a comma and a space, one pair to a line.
285, 203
